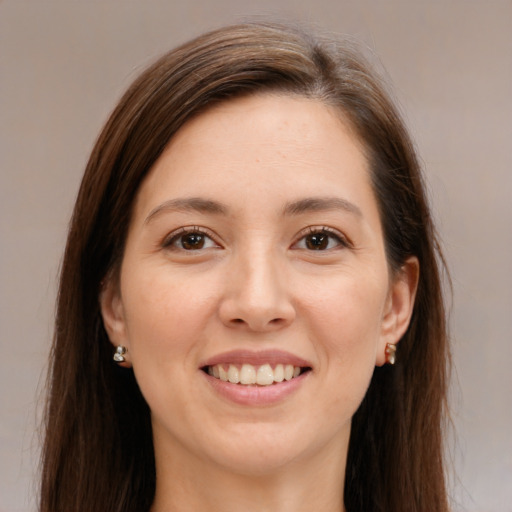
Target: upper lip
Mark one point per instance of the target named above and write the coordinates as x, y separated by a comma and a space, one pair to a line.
256, 358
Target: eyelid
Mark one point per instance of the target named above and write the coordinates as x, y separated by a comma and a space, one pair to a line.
311, 230
170, 238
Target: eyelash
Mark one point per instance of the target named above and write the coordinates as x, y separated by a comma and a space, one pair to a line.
170, 242
340, 239
174, 238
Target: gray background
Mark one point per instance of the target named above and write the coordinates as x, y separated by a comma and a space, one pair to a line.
65, 63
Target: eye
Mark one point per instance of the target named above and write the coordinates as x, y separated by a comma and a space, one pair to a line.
321, 239
190, 239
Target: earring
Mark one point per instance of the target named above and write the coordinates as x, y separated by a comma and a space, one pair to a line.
119, 354
390, 353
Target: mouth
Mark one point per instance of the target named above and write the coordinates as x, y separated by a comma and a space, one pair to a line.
266, 374
260, 378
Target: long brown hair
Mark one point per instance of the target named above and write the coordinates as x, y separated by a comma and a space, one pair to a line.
98, 452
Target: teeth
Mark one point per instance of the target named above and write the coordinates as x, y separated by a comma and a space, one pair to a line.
248, 374
279, 373
265, 375
233, 374
223, 374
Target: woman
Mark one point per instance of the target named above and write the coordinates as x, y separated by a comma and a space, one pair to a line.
250, 245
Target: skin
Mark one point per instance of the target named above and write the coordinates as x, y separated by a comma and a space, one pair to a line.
256, 284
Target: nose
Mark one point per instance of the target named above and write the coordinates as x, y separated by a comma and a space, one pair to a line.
257, 295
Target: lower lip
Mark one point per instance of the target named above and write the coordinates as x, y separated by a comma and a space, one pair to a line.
254, 395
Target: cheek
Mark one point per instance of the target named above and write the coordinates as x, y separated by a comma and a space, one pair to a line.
347, 307
165, 314
345, 324
167, 319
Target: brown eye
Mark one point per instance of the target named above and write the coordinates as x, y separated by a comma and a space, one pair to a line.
317, 241
192, 241
186, 239
321, 239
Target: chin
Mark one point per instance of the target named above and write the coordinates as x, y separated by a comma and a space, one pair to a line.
264, 450
259, 462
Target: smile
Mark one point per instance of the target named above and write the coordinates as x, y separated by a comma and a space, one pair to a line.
250, 375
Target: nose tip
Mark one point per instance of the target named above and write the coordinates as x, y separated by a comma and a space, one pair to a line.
261, 321
257, 299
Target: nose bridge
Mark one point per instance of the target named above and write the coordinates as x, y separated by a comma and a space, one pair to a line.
262, 284
258, 296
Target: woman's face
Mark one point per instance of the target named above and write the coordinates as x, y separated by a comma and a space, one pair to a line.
255, 251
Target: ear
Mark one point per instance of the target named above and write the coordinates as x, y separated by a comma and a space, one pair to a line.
112, 311
399, 306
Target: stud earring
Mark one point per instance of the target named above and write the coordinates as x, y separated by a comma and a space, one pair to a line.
390, 353
119, 354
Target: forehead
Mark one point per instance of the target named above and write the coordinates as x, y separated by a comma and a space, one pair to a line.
282, 141
267, 120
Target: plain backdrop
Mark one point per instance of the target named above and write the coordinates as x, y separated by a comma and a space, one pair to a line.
64, 64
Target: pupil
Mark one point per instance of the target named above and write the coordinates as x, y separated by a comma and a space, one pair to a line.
317, 241
193, 241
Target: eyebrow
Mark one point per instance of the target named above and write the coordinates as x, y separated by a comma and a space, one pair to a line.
189, 204
319, 204
201, 205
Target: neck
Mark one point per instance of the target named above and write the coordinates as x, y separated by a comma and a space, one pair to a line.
185, 482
